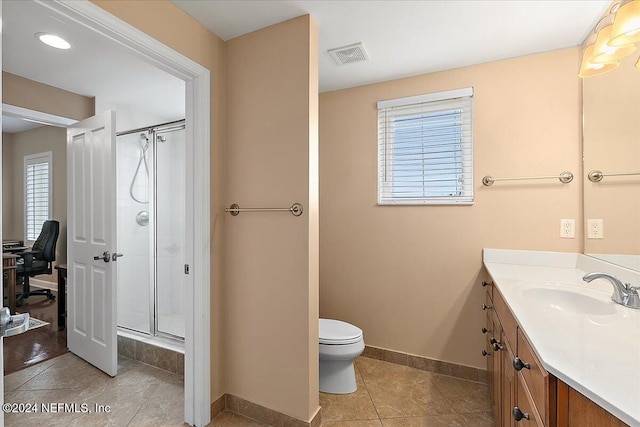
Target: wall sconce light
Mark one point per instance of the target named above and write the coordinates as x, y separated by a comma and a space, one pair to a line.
614, 41
590, 69
626, 27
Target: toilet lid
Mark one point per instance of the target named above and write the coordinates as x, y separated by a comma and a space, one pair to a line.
337, 332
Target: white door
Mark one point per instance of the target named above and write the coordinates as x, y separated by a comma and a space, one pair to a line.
91, 241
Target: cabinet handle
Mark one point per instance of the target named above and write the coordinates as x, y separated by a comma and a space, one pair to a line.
485, 353
518, 364
486, 307
485, 284
518, 414
497, 346
493, 340
485, 330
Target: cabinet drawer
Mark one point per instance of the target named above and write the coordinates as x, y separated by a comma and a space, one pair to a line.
509, 326
523, 402
536, 378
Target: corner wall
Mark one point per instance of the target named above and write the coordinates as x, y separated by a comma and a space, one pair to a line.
409, 276
271, 308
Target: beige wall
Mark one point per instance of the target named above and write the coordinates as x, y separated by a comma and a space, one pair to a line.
175, 28
612, 145
36, 96
14, 148
271, 299
409, 276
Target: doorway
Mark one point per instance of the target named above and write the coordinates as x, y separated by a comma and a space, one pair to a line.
197, 154
30, 134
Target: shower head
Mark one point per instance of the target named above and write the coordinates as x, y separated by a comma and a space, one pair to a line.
161, 138
144, 136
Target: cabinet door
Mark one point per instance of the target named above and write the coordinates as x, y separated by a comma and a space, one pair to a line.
508, 386
576, 410
494, 363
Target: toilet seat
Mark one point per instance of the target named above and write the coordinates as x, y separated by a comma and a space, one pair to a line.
336, 332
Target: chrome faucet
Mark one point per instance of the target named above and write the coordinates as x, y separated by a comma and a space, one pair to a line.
623, 294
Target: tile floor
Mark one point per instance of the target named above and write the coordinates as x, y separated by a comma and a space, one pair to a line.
140, 395
391, 395
388, 395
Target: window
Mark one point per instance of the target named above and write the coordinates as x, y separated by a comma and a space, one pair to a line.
37, 193
425, 149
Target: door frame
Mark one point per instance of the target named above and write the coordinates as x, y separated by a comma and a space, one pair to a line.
197, 388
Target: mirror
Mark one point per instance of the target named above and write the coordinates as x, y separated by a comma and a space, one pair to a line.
611, 133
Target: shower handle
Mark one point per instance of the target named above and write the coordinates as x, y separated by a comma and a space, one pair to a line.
115, 256
106, 256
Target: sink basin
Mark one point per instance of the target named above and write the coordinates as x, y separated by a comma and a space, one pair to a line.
574, 302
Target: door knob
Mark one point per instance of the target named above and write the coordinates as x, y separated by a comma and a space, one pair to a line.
106, 256
518, 364
518, 414
115, 256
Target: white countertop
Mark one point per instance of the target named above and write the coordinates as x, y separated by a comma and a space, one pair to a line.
598, 354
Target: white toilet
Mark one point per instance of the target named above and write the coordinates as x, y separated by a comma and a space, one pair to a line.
340, 344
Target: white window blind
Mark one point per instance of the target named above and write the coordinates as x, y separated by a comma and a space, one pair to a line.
37, 193
425, 149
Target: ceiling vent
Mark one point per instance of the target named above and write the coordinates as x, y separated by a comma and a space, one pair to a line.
348, 54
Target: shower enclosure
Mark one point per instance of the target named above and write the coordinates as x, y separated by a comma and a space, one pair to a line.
151, 229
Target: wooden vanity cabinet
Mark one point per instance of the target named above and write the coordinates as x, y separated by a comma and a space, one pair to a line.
515, 394
520, 387
574, 409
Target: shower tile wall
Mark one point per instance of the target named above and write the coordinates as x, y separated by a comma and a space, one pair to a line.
133, 239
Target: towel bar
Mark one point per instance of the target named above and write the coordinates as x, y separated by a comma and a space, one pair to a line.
564, 177
295, 209
596, 175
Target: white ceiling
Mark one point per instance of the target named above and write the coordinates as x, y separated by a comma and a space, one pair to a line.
402, 38
96, 66
12, 125
406, 38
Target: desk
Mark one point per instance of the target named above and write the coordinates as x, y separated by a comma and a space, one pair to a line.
9, 266
62, 295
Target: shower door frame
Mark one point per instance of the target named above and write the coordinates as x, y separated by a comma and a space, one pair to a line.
197, 388
154, 304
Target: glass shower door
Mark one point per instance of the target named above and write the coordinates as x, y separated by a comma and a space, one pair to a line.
134, 161
170, 231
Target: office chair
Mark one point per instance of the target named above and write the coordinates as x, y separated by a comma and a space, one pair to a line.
38, 260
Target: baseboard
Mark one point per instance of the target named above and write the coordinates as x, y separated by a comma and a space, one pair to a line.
218, 406
426, 364
261, 414
43, 284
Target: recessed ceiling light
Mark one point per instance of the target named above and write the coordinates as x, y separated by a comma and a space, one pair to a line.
53, 40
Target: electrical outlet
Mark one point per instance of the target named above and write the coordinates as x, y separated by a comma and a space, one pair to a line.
568, 228
595, 229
